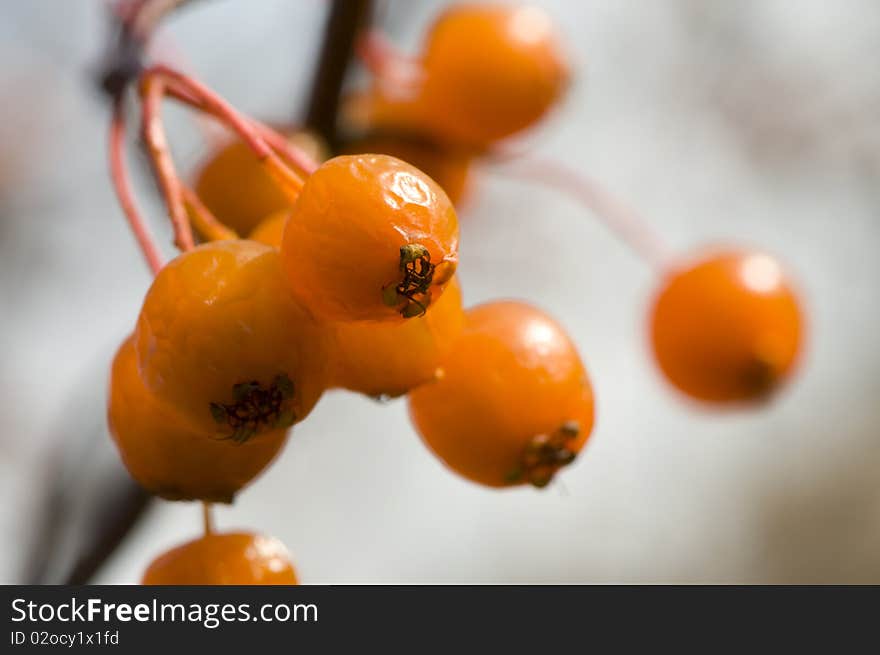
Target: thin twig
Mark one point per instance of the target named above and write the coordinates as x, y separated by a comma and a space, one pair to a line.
122, 185
207, 518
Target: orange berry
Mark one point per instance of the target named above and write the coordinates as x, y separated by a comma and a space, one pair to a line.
369, 238
221, 340
237, 190
490, 71
390, 359
727, 328
271, 229
513, 403
167, 457
448, 167
235, 558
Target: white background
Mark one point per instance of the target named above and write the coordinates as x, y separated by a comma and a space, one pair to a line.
754, 122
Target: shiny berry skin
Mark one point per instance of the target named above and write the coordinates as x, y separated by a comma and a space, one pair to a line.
727, 328
369, 238
381, 358
384, 359
449, 167
166, 456
221, 340
236, 189
513, 403
235, 558
271, 229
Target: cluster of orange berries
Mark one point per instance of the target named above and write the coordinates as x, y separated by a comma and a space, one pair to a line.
353, 286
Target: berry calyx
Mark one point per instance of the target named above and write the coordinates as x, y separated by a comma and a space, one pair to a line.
256, 408
544, 453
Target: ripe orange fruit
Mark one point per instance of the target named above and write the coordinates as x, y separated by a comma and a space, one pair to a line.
166, 456
221, 340
390, 359
727, 328
235, 558
447, 166
237, 190
369, 238
513, 403
489, 72
271, 229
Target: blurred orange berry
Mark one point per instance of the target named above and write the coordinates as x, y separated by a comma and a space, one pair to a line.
390, 359
369, 238
168, 458
271, 229
727, 328
513, 403
448, 167
221, 339
235, 558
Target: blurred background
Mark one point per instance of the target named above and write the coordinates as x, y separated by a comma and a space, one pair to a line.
755, 122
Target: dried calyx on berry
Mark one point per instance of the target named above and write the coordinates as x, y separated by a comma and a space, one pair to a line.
256, 408
545, 455
410, 293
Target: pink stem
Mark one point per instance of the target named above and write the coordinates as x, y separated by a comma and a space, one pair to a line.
153, 89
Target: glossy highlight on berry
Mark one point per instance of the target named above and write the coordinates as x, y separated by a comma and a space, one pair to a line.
448, 166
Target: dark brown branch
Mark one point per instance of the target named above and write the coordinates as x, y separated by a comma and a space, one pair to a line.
119, 514
346, 19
